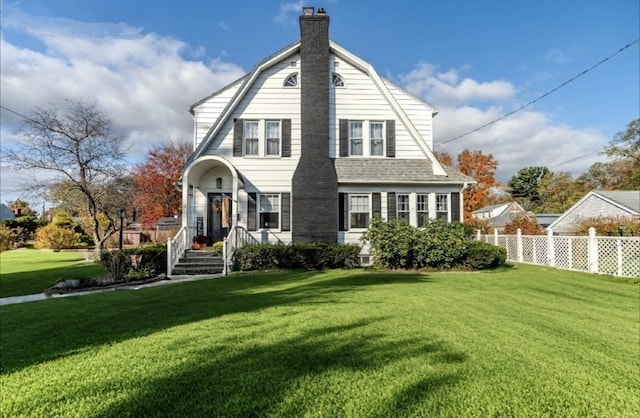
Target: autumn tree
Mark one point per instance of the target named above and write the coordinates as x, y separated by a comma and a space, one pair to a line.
526, 223
482, 168
523, 186
626, 147
155, 182
79, 153
558, 192
444, 158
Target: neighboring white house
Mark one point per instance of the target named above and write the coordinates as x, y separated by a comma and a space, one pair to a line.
499, 215
624, 204
310, 146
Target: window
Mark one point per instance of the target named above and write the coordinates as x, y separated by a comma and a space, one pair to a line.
272, 138
422, 208
291, 80
269, 211
402, 207
442, 207
355, 138
376, 130
359, 211
336, 80
251, 138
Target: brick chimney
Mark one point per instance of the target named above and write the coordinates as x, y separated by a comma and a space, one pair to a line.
315, 184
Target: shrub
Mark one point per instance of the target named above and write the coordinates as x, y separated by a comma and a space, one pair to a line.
526, 223
437, 244
608, 225
56, 237
217, 247
482, 255
118, 263
308, 256
7, 238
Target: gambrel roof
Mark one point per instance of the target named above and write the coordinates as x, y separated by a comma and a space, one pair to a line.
247, 81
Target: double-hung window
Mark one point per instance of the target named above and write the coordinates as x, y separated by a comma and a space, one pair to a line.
272, 134
251, 139
355, 138
402, 207
376, 133
270, 211
359, 210
442, 206
422, 208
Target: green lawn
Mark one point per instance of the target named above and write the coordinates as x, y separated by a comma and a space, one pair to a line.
523, 341
27, 271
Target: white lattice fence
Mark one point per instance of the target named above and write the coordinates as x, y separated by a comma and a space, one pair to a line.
618, 256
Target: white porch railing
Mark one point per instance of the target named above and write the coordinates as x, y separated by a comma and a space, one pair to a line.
176, 246
618, 256
236, 238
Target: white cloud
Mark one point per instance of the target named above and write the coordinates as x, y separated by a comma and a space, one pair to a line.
527, 138
447, 88
288, 13
556, 56
143, 82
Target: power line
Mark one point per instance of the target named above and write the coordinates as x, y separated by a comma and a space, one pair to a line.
574, 159
506, 115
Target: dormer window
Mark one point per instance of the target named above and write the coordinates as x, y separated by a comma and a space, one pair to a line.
291, 80
336, 80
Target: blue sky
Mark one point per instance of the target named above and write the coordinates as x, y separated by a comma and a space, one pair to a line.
144, 62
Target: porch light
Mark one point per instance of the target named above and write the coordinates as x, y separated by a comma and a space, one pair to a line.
307, 10
219, 182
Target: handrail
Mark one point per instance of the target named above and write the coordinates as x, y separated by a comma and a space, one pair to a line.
236, 238
176, 246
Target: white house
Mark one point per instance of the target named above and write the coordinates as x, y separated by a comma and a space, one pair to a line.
501, 214
310, 146
623, 204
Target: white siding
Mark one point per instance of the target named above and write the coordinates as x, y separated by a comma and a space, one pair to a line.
207, 113
420, 114
360, 99
266, 99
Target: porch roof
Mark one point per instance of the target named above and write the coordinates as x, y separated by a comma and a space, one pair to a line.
393, 170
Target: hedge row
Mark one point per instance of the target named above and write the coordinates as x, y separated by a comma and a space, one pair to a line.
308, 256
440, 245
118, 263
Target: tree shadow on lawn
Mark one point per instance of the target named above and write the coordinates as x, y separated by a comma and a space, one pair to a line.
38, 280
319, 372
42, 331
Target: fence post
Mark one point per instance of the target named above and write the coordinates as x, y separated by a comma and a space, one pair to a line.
620, 254
495, 237
519, 244
551, 250
478, 235
593, 251
169, 256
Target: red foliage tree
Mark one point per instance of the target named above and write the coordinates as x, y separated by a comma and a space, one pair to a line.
156, 193
482, 168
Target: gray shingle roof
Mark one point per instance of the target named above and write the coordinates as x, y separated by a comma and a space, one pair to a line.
627, 198
5, 212
393, 170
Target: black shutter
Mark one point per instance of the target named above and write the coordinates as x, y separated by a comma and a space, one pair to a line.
391, 206
391, 138
285, 204
343, 211
251, 212
286, 138
344, 137
455, 207
376, 205
238, 133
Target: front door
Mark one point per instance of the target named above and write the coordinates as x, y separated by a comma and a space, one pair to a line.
219, 216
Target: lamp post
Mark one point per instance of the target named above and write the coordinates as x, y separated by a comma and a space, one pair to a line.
121, 229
